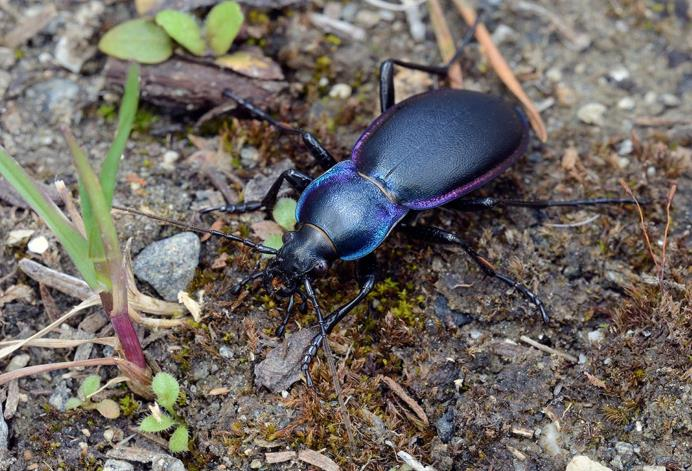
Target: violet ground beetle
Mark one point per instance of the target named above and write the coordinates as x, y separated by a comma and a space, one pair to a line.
419, 154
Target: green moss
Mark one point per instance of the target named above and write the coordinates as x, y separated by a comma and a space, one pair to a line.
128, 405
144, 119
107, 111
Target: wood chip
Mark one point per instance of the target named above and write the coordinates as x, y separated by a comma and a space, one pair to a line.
318, 459
545, 348
522, 432
279, 457
29, 26
445, 42
399, 391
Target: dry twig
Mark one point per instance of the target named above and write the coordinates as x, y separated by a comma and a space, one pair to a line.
445, 42
502, 68
399, 391
547, 349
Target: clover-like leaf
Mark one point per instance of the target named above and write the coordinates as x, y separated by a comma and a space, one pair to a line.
284, 213
89, 386
73, 403
178, 441
140, 40
274, 241
166, 388
222, 26
108, 408
183, 28
156, 424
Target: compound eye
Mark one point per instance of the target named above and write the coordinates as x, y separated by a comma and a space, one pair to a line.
287, 236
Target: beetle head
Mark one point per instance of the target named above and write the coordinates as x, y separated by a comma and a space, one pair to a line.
306, 252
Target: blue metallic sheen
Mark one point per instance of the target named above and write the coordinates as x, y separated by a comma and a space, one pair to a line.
354, 212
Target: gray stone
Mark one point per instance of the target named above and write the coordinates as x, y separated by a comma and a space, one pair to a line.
5, 79
448, 316
56, 98
592, 113
117, 465
226, 352
259, 185
4, 431
200, 370
60, 395
584, 463
445, 426
167, 463
169, 265
7, 58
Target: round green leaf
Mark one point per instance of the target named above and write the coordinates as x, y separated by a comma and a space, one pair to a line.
152, 424
183, 28
72, 403
178, 441
274, 241
166, 388
284, 213
222, 26
140, 40
89, 386
108, 408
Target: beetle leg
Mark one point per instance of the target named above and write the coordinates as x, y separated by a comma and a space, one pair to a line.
324, 158
387, 68
298, 181
437, 235
366, 273
474, 204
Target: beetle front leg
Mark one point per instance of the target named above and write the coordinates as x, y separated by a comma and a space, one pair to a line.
440, 236
323, 157
298, 181
366, 273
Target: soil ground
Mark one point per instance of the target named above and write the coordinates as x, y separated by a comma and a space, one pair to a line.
435, 325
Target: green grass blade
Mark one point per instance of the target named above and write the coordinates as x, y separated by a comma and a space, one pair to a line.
75, 245
91, 191
126, 118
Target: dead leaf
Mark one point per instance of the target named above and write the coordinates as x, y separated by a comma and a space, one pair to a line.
318, 459
281, 368
216, 226
108, 408
279, 457
220, 261
218, 392
265, 229
594, 381
251, 63
17, 292
193, 306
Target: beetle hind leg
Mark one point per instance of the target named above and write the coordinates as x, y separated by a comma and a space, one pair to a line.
387, 96
437, 235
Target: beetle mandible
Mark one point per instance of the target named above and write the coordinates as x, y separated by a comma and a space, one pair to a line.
419, 154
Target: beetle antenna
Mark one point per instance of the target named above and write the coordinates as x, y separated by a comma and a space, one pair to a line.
253, 276
261, 248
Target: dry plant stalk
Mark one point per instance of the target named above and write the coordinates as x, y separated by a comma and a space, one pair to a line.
502, 68
642, 224
445, 42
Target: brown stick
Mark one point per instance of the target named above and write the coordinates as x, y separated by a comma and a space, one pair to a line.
502, 68
669, 201
642, 224
445, 43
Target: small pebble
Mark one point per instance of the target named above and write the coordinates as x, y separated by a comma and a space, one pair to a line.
7, 58
367, 18
624, 448
5, 79
619, 73
651, 171
670, 100
170, 157
592, 113
38, 245
584, 463
554, 74
117, 465
284, 394
226, 352
595, 336
167, 463
626, 103
249, 156
565, 94
625, 147
503, 34
18, 236
341, 91
255, 464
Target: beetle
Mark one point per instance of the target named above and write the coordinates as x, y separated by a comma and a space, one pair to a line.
421, 153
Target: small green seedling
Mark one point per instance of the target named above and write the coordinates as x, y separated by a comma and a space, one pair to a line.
151, 41
284, 214
167, 391
90, 386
